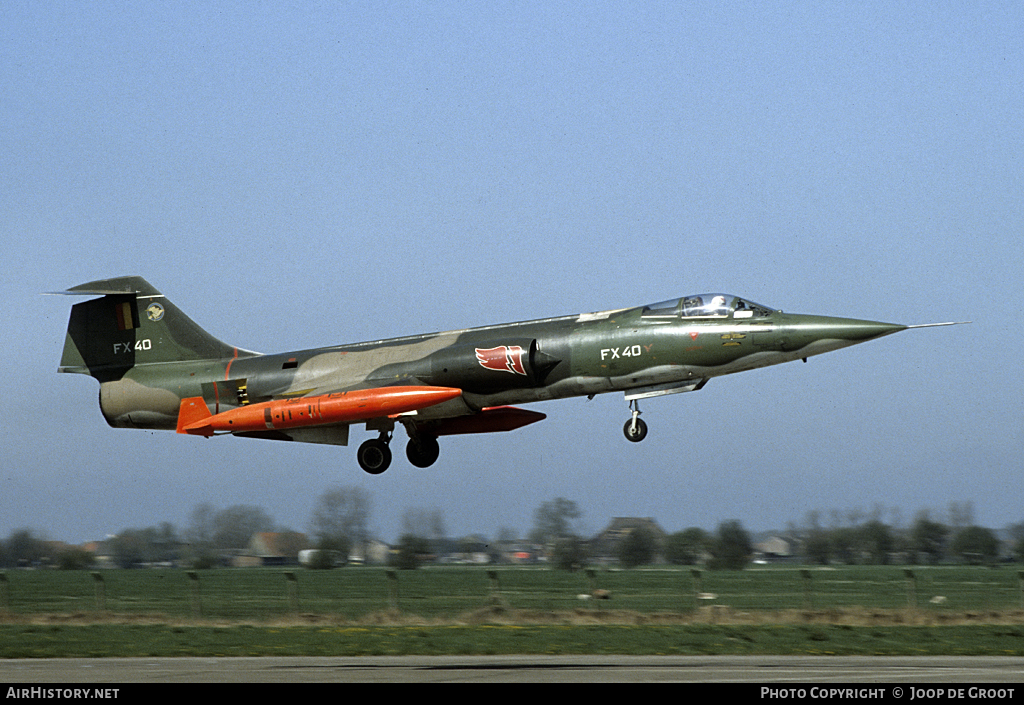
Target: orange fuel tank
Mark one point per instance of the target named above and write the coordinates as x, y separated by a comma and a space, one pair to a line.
341, 407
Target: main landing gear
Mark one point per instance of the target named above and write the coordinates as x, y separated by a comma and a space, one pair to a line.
635, 429
422, 451
374, 455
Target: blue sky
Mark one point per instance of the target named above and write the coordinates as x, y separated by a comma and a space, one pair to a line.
298, 174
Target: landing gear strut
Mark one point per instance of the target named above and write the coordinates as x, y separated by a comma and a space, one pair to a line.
374, 455
635, 429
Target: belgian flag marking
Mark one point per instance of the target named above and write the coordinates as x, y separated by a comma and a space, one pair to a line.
123, 311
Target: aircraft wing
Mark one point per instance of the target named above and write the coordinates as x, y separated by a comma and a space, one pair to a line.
488, 420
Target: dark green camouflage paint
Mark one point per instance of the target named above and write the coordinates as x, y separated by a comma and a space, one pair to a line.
148, 356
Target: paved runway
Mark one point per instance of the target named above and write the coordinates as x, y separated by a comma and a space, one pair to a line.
527, 669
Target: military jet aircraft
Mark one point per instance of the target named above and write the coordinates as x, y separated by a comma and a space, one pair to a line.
158, 369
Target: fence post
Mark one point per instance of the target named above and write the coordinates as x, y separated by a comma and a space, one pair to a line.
197, 605
697, 587
595, 595
1020, 581
393, 589
101, 592
5, 593
292, 584
495, 597
808, 599
911, 588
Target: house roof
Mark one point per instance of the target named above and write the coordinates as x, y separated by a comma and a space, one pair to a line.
270, 543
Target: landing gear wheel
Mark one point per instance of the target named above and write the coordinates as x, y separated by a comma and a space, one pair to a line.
422, 452
374, 456
635, 430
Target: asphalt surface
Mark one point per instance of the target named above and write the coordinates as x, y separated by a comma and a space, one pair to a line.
789, 670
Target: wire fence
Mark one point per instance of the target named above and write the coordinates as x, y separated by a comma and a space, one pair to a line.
450, 591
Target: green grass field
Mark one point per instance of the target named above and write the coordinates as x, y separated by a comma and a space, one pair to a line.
472, 610
52, 641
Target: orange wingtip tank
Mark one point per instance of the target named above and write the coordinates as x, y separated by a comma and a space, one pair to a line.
342, 407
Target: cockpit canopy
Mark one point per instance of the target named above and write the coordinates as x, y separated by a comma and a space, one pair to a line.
706, 306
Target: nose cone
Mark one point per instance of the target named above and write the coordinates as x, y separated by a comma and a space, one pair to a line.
851, 329
835, 332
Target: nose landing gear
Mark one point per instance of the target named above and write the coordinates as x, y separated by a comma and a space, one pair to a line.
635, 429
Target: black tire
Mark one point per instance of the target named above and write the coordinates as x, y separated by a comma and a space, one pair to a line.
635, 435
374, 456
423, 452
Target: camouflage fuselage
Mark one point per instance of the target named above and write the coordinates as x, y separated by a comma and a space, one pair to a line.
158, 369
623, 350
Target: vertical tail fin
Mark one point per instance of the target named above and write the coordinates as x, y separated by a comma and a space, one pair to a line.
132, 324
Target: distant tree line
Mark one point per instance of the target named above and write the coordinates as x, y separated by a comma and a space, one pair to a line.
926, 541
339, 526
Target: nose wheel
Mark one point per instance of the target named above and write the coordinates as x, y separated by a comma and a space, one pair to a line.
635, 429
